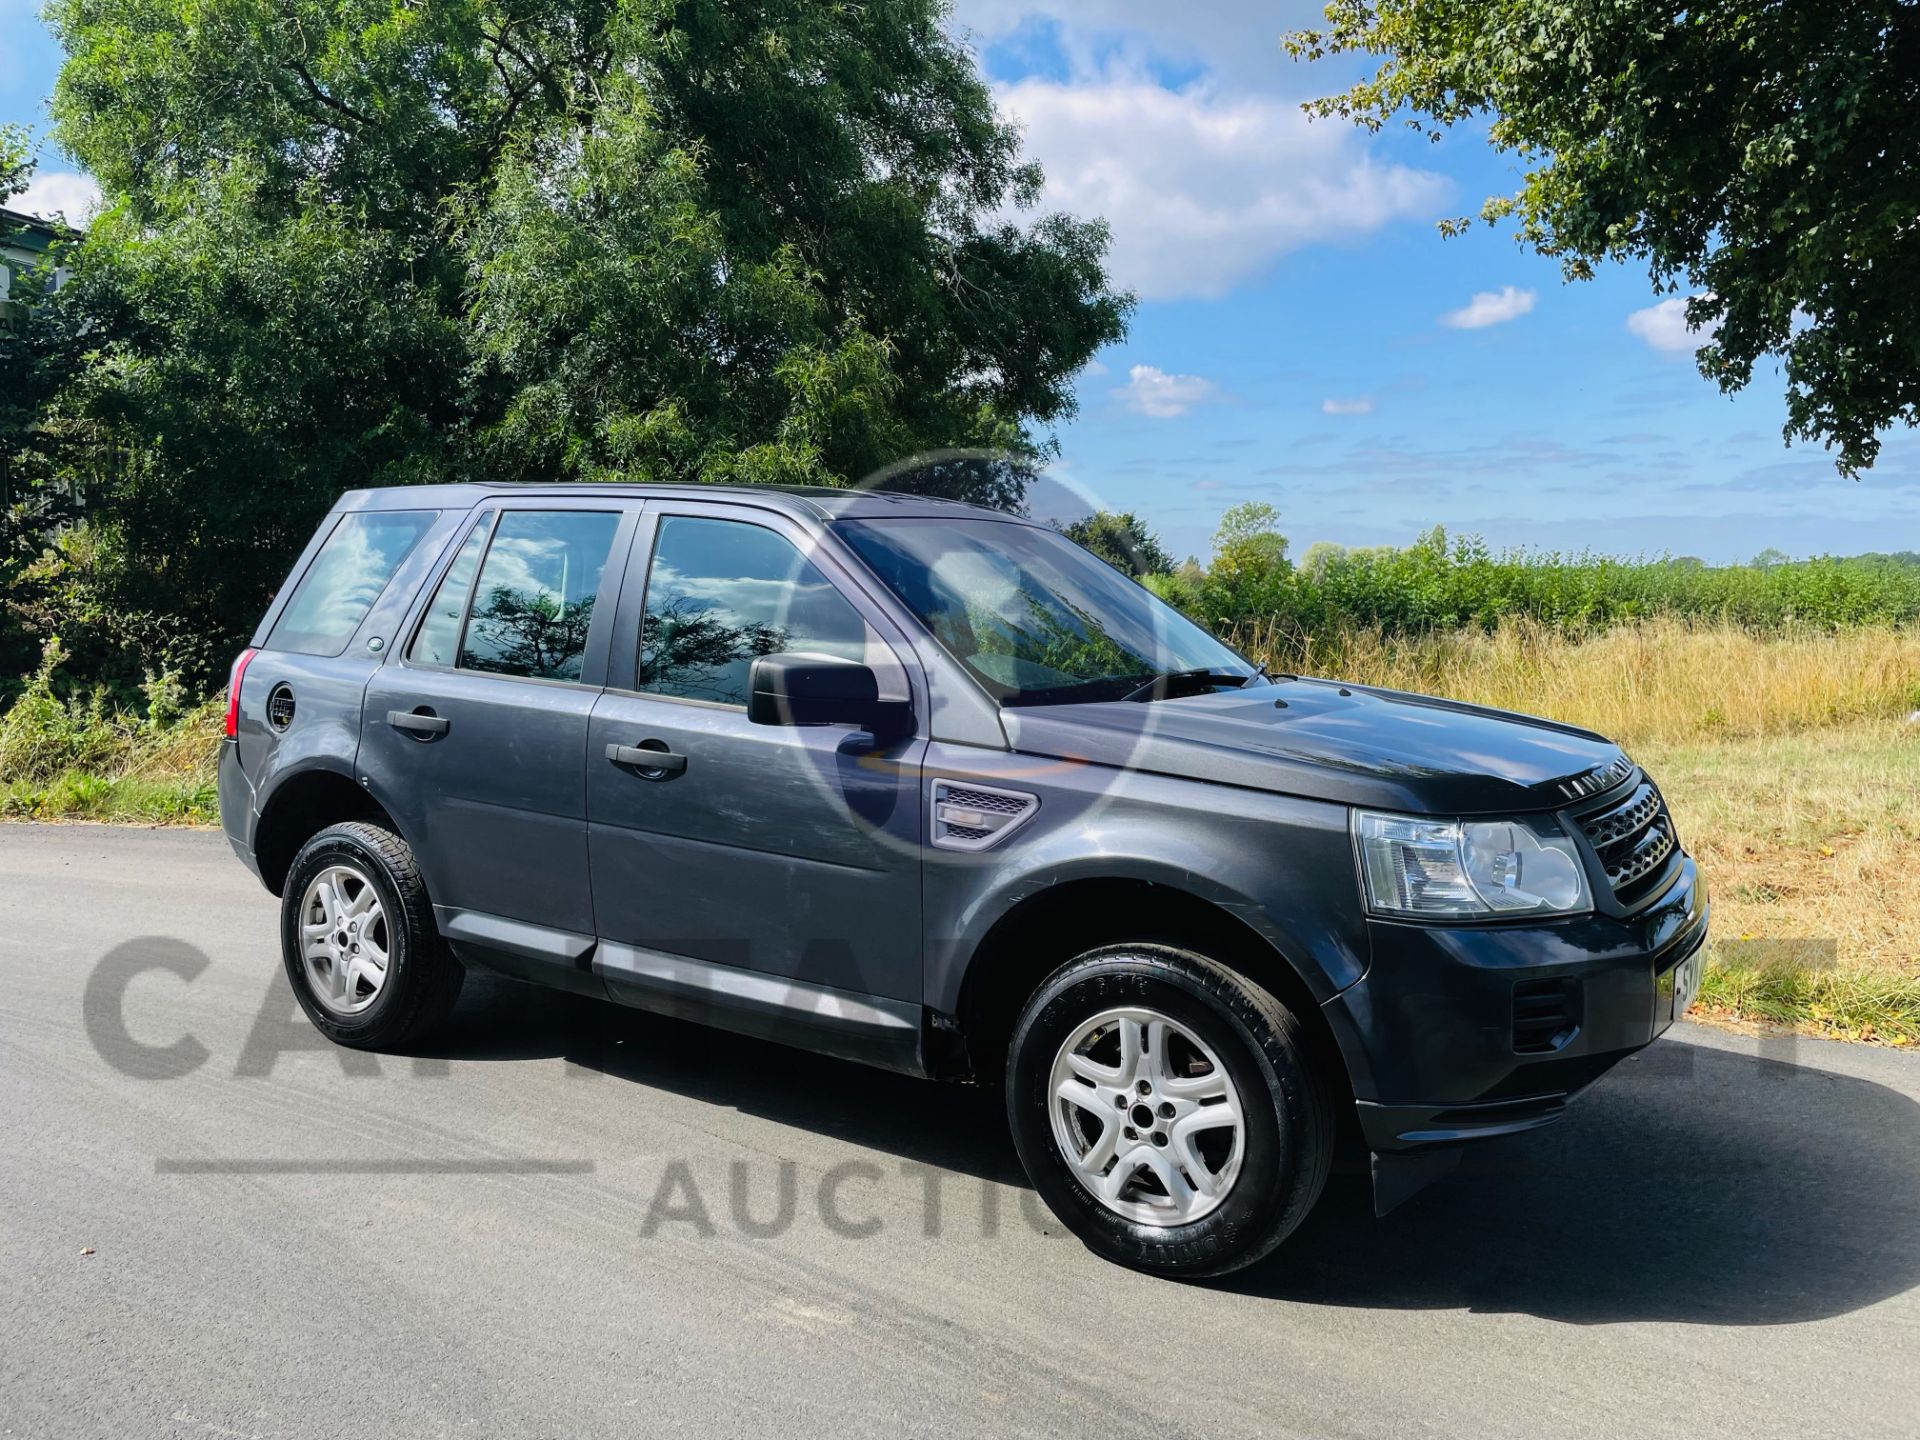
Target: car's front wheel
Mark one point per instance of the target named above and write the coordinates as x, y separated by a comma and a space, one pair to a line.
1167, 1111
359, 942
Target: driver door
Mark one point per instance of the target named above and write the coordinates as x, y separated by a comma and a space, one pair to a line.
760, 876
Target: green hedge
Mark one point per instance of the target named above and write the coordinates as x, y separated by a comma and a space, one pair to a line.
1437, 584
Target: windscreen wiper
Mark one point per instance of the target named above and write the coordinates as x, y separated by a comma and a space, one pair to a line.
1186, 682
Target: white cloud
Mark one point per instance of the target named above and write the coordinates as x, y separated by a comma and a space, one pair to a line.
59, 193
1490, 307
1093, 369
1357, 405
1664, 326
1153, 392
1204, 190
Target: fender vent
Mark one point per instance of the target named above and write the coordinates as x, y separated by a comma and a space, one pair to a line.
280, 707
974, 817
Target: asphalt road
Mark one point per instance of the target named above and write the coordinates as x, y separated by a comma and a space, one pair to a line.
208, 1227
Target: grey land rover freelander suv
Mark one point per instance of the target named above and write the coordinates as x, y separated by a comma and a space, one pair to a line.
930, 787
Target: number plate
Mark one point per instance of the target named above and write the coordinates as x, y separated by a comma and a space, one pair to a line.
1686, 982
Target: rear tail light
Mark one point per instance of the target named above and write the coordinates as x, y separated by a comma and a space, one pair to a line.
240, 664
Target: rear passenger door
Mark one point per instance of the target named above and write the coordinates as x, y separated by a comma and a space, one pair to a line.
756, 850
474, 734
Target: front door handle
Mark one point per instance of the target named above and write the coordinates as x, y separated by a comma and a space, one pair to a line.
652, 759
423, 723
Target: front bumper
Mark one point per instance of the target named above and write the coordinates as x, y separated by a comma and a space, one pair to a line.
1465, 1032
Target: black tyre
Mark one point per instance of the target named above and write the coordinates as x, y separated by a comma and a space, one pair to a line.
358, 938
1167, 1111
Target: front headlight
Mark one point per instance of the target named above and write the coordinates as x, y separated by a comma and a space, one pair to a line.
1422, 869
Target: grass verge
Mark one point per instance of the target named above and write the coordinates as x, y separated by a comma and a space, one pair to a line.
1811, 845
120, 799
1877, 1004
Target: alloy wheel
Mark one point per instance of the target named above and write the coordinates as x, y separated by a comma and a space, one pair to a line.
1147, 1117
345, 941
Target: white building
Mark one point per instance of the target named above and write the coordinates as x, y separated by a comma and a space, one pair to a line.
24, 243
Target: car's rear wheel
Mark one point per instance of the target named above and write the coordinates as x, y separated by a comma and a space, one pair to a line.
1167, 1111
359, 942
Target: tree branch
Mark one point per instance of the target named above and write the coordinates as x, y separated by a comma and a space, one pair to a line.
313, 89
542, 73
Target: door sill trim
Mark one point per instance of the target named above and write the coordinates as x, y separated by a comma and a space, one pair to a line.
869, 1028
521, 949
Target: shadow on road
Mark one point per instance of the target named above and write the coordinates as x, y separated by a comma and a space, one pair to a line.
1694, 1185
1691, 1185
955, 1127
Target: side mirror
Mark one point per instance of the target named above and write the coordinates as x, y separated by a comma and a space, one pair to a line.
818, 690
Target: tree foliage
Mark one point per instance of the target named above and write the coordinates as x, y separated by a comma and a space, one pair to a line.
16, 160
1123, 540
1442, 583
369, 242
1764, 157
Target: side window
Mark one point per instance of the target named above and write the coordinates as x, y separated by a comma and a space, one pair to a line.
721, 592
533, 603
345, 578
439, 636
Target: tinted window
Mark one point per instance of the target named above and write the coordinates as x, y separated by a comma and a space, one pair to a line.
345, 578
721, 592
533, 605
439, 637
1035, 618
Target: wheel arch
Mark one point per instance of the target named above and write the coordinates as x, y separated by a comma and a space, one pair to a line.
1046, 929
302, 805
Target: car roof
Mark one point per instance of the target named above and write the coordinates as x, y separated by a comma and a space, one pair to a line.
818, 502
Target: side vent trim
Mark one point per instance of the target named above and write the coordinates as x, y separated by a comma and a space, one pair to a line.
971, 817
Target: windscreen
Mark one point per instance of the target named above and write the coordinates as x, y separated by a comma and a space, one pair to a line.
1032, 616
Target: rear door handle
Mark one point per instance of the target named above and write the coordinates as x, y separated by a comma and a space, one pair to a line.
428, 726
655, 764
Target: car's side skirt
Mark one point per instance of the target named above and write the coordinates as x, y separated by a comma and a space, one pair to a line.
869, 1028
872, 1029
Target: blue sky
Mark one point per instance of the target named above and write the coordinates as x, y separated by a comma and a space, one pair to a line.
1305, 337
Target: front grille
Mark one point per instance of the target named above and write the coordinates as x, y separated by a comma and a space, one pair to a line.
1634, 840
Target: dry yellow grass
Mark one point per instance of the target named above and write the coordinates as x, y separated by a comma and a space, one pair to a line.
1661, 681
1811, 844
1809, 837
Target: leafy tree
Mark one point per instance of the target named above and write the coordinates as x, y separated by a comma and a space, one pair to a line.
16, 160
1761, 156
16, 166
38, 353
367, 242
1122, 540
1249, 573
1249, 538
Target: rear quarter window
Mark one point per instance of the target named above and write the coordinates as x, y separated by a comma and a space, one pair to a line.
351, 571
